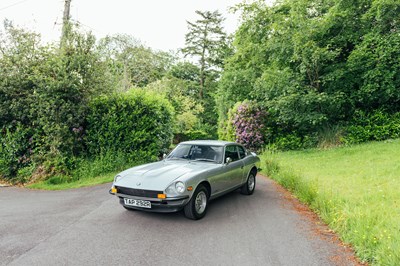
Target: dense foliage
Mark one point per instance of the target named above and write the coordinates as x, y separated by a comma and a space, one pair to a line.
373, 127
45, 93
295, 74
180, 87
313, 64
207, 43
246, 124
130, 63
136, 123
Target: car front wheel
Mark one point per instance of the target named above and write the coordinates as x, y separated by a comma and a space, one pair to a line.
250, 185
197, 206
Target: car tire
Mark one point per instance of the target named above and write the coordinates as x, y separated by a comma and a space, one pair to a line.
250, 185
198, 204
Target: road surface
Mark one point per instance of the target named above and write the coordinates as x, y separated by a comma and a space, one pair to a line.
87, 226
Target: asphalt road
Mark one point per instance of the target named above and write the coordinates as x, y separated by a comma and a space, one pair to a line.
87, 226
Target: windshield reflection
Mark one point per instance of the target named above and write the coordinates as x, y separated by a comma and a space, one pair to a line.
201, 153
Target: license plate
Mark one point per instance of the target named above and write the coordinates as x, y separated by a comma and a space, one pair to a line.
138, 203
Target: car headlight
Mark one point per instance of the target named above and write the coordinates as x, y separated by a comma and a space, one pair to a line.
175, 189
180, 187
116, 178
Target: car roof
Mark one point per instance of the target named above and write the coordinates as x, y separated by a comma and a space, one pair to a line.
209, 142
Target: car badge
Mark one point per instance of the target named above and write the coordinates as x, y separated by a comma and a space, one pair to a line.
138, 184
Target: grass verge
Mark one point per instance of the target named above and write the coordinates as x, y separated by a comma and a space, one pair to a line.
89, 172
355, 190
84, 182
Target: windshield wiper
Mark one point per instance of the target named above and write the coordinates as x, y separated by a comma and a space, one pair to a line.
204, 160
176, 158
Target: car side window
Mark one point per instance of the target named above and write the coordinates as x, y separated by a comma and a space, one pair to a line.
231, 151
242, 152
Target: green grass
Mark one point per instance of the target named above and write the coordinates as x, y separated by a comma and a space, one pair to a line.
355, 190
89, 172
84, 182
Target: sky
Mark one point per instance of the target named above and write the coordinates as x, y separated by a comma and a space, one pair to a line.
159, 24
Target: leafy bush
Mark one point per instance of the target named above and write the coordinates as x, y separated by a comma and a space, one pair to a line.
226, 129
87, 168
15, 149
247, 124
284, 143
136, 123
65, 84
45, 89
292, 142
191, 135
197, 134
377, 125
188, 110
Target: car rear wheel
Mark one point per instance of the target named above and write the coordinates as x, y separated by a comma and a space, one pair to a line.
197, 206
250, 185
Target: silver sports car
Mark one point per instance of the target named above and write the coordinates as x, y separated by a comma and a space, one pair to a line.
191, 175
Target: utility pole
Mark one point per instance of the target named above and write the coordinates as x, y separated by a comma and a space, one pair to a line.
66, 16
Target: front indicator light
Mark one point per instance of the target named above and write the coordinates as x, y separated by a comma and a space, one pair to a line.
161, 196
190, 188
113, 190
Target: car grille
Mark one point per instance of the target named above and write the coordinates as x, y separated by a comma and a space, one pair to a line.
138, 192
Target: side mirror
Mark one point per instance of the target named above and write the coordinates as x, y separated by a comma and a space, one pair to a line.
228, 160
164, 156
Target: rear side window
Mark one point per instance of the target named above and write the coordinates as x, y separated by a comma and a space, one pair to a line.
242, 152
231, 151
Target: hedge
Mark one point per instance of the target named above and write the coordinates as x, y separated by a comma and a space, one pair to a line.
137, 123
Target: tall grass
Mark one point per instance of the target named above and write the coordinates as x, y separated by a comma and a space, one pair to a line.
90, 171
355, 190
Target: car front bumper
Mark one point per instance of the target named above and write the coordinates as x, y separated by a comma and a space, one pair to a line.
157, 205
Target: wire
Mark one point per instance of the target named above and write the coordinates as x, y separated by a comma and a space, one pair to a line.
87, 26
20, 2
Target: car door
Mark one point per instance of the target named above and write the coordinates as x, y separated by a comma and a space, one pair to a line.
233, 170
246, 169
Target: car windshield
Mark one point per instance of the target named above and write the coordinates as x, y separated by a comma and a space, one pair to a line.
204, 153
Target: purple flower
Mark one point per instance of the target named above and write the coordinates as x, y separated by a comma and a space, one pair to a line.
248, 122
77, 129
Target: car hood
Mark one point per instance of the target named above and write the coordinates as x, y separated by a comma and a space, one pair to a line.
158, 175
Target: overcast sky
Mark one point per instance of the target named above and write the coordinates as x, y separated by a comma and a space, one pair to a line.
160, 24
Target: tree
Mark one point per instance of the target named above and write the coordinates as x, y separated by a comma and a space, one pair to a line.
131, 63
44, 93
20, 55
187, 109
313, 63
207, 42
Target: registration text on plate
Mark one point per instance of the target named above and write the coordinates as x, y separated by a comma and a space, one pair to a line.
138, 203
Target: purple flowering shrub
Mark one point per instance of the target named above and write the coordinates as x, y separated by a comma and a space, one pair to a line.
248, 120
